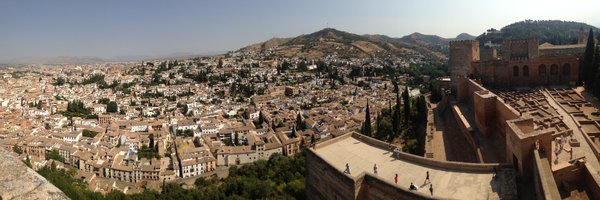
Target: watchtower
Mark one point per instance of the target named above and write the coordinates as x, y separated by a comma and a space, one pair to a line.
516, 50
462, 53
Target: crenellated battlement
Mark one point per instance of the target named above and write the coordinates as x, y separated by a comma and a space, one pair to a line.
519, 41
463, 42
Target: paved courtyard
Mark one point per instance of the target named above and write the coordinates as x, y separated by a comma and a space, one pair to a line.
446, 183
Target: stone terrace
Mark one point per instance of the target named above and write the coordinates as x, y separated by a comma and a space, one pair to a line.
548, 115
584, 114
449, 179
530, 102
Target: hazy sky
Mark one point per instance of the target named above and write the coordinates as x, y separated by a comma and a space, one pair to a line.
147, 27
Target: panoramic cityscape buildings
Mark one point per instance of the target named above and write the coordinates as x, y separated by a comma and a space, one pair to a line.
512, 113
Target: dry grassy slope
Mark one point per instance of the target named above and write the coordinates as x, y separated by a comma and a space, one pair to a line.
347, 45
271, 43
323, 48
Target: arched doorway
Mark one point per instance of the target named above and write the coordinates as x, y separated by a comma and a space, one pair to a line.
566, 70
554, 69
542, 70
554, 74
542, 78
516, 71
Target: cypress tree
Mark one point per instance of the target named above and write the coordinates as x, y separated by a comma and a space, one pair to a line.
396, 115
406, 98
261, 119
236, 139
594, 69
586, 65
378, 125
151, 145
299, 123
596, 86
367, 125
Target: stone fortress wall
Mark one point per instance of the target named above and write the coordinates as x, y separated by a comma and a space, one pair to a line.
529, 140
520, 63
462, 53
526, 121
324, 181
524, 142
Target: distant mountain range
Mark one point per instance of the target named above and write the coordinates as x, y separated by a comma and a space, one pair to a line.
330, 41
551, 31
344, 44
348, 45
91, 60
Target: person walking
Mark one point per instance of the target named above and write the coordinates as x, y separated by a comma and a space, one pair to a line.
427, 178
347, 169
375, 168
396, 179
431, 189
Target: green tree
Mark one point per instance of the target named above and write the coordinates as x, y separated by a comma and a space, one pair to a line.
17, 149
147, 152
104, 101
236, 139
59, 81
65, 181
302, 66
406, 98
586, 68
367, 124
184, 109
27, 161
246, 114
596, 64
151, 142
396, 115
112, 107
260, 121
54, 155
88, 133
300, 125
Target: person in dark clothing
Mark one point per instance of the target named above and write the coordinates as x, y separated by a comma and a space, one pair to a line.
412, 186
431, 189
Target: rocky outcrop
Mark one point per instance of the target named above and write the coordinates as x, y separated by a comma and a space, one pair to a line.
17, 181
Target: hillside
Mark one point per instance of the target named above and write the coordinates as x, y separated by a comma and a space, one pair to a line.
551, 31
465, 36
343, 44
271, 43
330, 41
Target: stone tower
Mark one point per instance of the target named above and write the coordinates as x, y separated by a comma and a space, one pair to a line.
462, 53
523, 49
581, 36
